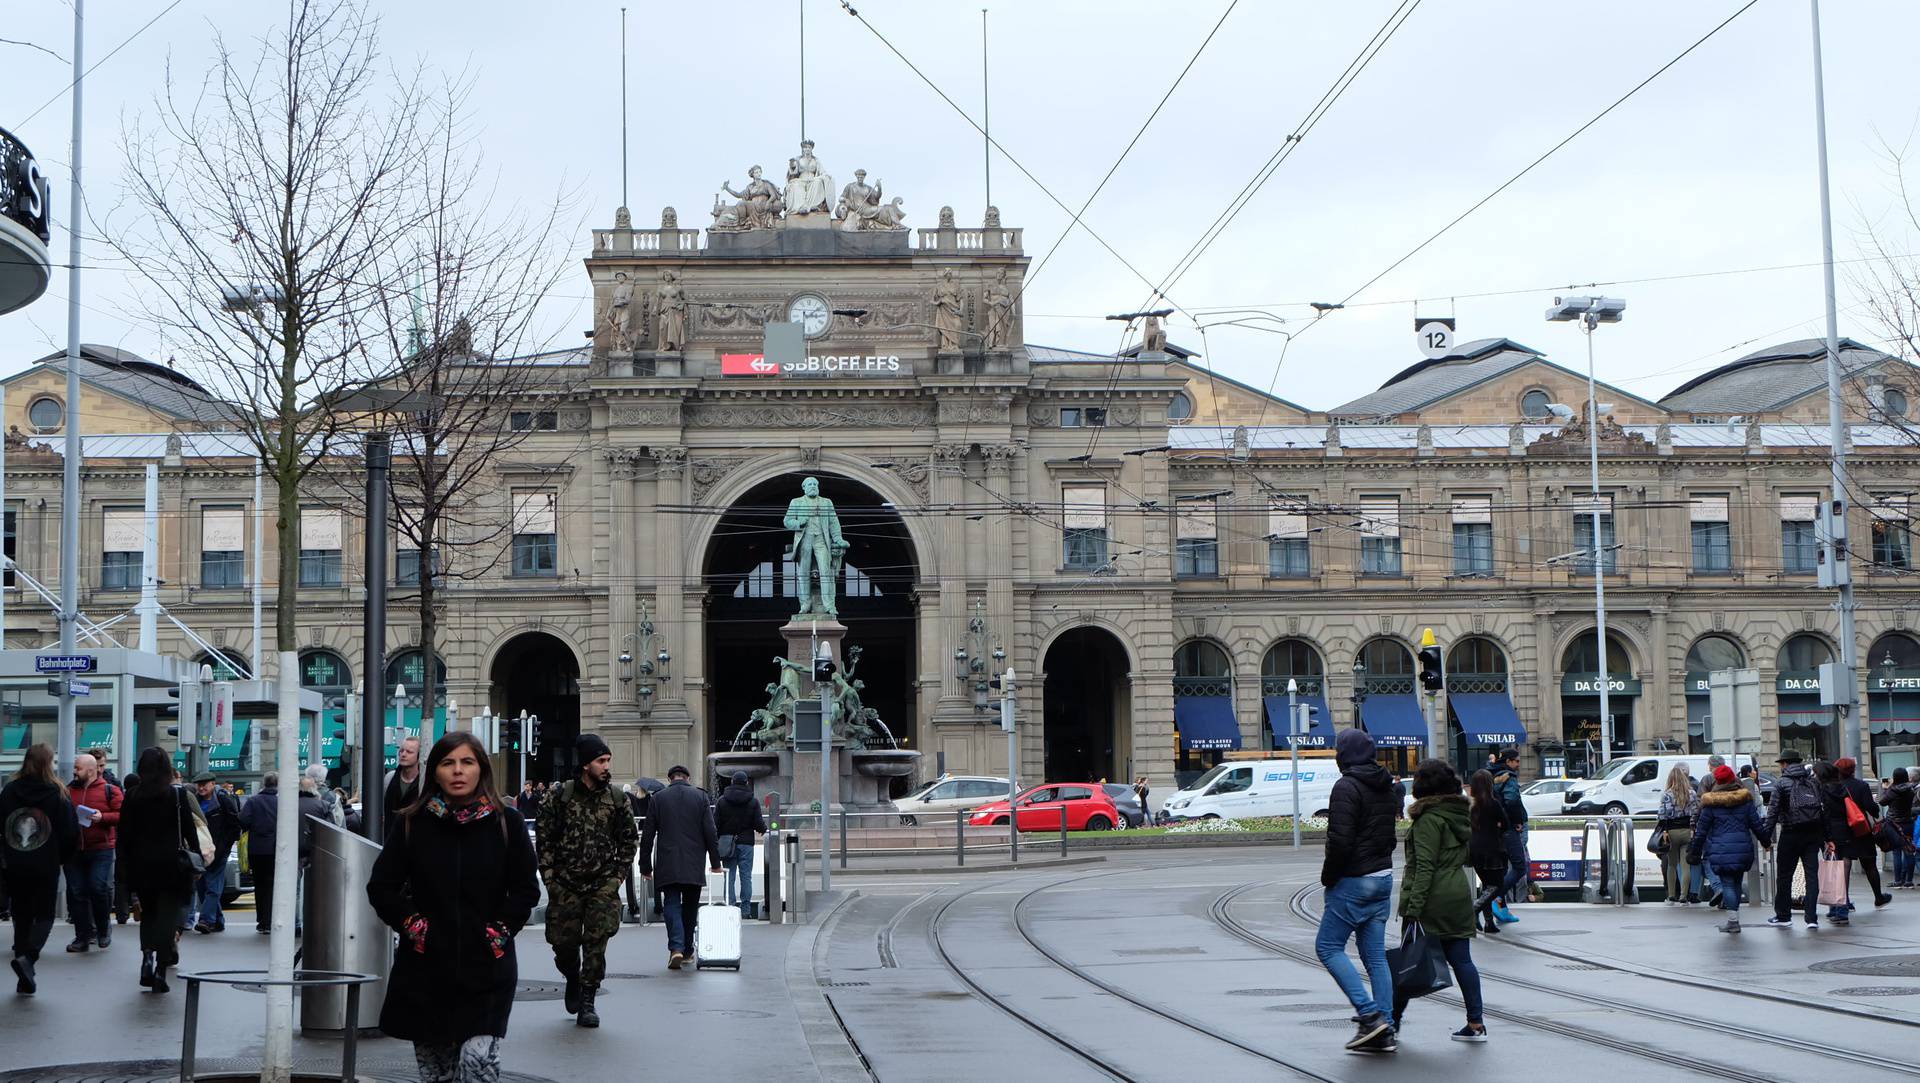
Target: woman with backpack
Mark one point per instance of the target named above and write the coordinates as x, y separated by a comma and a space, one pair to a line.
1679, 803
1486, 846
1857, 845
1897, 798
1434, 889
1728, 825
40, 833
457, 881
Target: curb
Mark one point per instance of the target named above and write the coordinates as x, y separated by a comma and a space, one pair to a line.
1003, 866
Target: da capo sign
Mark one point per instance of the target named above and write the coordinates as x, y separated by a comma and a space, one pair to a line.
759, 364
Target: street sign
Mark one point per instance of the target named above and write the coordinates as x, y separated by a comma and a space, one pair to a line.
64, 663
79, 688
220, 714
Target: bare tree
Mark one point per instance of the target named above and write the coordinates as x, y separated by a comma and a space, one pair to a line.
269, 199
458, 377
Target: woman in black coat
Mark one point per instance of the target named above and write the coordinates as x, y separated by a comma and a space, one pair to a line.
1486, 846
1861, 847
456, 880
38, 834
158, 821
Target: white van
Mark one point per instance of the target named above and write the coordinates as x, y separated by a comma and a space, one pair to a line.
1244, 788
1631, 785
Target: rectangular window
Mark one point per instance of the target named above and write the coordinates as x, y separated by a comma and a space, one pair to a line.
1287, 553
1379, 535
223, 543
1583, 542
1075, 417
406, 566
1799, 553
533, 420
12, 542
536, 548
1083, 520
1196, 552
1892, 548
124, 538
1473, 535
1712, 535
319, 547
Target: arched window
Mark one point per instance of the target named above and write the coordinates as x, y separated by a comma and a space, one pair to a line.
1388, 666
1201, 668
408, 668
227, 665
1894, 402
324, 670
1180, 407
1533, 404
1296, 660
1901, 649
46, 414
1583, 656
1804, 653
1709, 653
1476, 664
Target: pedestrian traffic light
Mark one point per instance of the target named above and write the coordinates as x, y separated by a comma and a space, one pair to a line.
1432, 676
823, 667
509, 734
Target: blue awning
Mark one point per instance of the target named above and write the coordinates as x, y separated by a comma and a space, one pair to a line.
1206, 722
1487, 718
1394, 720
1319, 735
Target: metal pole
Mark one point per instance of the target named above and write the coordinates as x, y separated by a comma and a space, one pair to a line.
150, 565
1839, 557
1063, 829
1599, 549
277, 1056
16, 525
826, 784
1294, 730
65, 737
1011, 724
843, 837
373, 705
960, 839
259, 575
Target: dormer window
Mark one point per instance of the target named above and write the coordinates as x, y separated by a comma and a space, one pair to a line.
1894, 402
1533, 404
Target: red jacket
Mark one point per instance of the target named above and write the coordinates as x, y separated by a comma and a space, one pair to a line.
104, 796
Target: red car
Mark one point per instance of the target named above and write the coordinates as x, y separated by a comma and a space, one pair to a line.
1087, 808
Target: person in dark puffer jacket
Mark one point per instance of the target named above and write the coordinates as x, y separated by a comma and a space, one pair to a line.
1897, 798
1358, 875
1728, 825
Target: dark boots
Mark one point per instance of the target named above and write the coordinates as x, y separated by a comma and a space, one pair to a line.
23, 968
146, 970
587, 1017
568, 963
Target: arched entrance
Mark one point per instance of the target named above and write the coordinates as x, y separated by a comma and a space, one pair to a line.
537, 673
1893, 690
1708, 654
1805, 725
1202, 707
1580, 701
1295, 662
752, 590
1387, 704
1480, 714
1086, 707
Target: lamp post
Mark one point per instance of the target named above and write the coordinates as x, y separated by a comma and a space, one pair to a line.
1359, 694
1887, 669
1591, 312
1293, 753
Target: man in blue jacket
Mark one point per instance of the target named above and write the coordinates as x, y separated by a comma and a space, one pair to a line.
1506, 787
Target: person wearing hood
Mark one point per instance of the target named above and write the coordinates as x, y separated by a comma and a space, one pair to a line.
1434, 893
1796, 817
1728, 825
1897, 798
587, 840
1357, 873
41, 833
737, 818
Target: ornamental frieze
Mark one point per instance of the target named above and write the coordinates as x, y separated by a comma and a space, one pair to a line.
781, 415
637, 414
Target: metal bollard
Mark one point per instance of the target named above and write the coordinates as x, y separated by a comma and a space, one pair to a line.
843, 838
960, 839
771, 880
1063, 831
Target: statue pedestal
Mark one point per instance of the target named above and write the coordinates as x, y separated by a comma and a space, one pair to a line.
815, 220
805, 629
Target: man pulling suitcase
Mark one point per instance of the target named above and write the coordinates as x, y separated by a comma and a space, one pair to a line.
678, 834
586, 841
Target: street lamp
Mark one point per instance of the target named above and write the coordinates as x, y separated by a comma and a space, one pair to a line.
1887, 669
1359, 694
1591, 312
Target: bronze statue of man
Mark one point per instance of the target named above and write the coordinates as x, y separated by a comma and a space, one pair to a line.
817, 547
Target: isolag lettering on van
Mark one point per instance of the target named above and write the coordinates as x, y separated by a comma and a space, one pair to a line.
1287, 776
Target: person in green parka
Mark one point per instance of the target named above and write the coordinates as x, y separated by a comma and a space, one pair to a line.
1435, 889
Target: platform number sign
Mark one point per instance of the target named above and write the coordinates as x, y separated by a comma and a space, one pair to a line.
1435, 335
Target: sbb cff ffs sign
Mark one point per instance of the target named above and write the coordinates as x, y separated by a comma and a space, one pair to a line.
759, 364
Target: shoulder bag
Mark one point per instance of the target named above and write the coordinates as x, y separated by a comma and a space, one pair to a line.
1857, 821
192, 858
1418, 964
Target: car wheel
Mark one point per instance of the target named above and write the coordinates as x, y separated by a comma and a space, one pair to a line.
1211, 816
908, 821
1099, 823
1616, 809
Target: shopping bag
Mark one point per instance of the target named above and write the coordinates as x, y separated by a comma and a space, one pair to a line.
1833, 880
1419, 967
1857, 821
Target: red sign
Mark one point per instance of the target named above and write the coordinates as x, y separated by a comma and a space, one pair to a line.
748, 364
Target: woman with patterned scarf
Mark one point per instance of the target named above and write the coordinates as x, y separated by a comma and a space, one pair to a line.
456, 880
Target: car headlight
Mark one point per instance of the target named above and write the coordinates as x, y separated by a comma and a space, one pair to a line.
1179, 802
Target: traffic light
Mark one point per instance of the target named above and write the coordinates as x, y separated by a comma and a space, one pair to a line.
509, 735
823, 668
1432, 677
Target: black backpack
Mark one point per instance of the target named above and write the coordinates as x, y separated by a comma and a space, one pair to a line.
1800, 801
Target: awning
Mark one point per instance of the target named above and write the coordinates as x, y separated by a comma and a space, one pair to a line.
1902, 717
1803, 712
1206, 722
1487, 718
1320, 735
1394, 720
222, 758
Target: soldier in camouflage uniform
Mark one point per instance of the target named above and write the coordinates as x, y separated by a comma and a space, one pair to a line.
586, 841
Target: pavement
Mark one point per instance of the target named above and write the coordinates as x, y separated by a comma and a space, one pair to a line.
1149, 966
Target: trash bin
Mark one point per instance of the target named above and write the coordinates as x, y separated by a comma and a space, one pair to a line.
342, 931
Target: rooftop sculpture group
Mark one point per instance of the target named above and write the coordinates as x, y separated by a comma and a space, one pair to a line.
807, 197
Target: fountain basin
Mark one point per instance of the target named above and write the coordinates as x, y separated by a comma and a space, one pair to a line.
885, 762
757, 765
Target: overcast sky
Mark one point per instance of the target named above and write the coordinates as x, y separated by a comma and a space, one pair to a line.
1709, 169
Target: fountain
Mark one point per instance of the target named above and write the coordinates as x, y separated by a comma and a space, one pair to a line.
866, 756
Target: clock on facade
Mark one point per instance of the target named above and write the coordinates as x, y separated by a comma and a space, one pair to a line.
810, 311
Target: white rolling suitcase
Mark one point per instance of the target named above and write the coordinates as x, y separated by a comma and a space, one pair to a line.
716, 939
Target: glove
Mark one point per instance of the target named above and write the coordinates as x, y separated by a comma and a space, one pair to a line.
416, 933
497, 939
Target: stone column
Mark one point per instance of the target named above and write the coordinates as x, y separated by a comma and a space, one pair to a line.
671, 735
622, 500
948, 626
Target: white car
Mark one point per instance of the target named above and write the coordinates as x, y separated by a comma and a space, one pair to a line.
1547, 797
945, 796
1239, 789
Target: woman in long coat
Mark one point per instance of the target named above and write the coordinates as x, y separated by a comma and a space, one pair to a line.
456, 880
158, 823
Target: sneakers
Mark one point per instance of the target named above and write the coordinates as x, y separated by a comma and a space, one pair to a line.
1471, 1033
1693, 900
675, 960
1814, 926
1780, 923
23, 969
1501, 912
79, 946
1369, 1033
1842, 920
1731, 925
105, 939
1884, 900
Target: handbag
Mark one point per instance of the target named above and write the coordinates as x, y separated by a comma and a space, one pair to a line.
192, 860
1856, 820
1833, 880
1418, 964
725, 846
1657, 842
1889, 838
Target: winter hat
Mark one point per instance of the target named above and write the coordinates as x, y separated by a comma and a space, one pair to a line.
591, 747
1723, 774
739, 778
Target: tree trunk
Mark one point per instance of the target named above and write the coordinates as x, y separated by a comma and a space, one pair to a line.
429, 632
287, 594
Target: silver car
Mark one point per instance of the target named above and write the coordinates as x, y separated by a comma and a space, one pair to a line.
954, 793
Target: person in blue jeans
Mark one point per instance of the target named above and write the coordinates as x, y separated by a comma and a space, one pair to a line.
222, 811
738, 819
1357, 873
90, 872
1506, 786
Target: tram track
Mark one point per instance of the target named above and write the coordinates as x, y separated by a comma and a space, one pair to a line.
1297, 906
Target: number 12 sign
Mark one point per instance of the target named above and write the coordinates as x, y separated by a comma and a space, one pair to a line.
1434, 334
